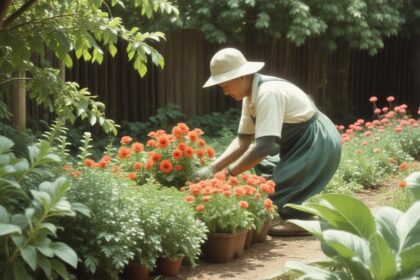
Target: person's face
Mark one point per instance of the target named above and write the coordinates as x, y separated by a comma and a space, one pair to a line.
237, 88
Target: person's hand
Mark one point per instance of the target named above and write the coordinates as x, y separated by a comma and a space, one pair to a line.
202, 174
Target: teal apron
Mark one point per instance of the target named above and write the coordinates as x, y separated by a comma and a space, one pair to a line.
308, 157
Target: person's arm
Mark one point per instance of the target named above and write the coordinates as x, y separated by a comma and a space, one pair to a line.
254, 155
235, 150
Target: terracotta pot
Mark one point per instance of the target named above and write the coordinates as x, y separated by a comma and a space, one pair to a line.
168, 267
240, 243
248, 239
136, 271
261, 236
222, 247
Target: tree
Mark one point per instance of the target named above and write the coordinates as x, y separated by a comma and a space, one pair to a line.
82, 27
362, 24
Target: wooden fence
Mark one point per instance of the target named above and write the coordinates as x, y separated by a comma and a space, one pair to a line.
340, 82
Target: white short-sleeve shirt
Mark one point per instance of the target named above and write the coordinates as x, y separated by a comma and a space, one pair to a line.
273, 103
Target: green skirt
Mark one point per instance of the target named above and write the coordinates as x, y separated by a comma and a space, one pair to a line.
308, 157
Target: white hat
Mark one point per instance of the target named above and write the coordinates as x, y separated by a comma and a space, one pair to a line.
228, 64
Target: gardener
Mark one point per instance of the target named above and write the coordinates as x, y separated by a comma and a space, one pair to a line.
296, 145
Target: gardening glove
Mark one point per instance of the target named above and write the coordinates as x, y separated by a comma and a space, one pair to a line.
202, 174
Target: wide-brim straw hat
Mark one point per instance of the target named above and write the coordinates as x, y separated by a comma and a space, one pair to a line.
228, 64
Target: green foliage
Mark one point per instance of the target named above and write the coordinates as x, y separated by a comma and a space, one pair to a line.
83, 27
413, 184
21, 139
380, 246
362, 24
27, 218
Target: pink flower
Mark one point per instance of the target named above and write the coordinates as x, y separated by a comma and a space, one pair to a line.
373, 99
390, 98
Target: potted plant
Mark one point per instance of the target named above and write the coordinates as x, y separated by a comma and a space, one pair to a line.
221, 207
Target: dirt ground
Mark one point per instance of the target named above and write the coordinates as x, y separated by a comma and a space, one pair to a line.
265, 261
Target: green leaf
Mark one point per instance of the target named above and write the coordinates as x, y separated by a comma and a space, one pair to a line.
413, 184
45, 265
4, 215
386, 220
60, 268
408, 227
312, 272
6, 229
384, 264
5, 144
343, 212
29, 255
65, 253
409, 260
81, 208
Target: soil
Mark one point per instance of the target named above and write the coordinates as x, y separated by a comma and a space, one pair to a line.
265, 261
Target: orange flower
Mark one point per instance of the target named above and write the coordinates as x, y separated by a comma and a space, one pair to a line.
402, 184
206, 198
200, 153
156, 156
125, 140
266, 188
163, 141
189, 152
137, 165
201, 142
89, 162
182, 146
192, 135
124, 152
66, 167
106, 158
165, 166
199, 208
115, 169
149, 164
132, 176
210, 152
137, 147
243, 204
189, 198
178, 167
404, 166
150, 143
102, 163
268, 203
177, 154
75, 173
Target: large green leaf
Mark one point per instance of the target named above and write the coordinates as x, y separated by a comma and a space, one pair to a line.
384, 263
343, 212
4, 215
413, 184
312, 272
29, 255
386, 220
20, 272
6, 229
353, 252
410, 261
408, 227
5, 144
65, 253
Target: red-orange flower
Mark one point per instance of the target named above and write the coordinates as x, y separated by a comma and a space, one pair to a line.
177, 154
189, 198
150, 143
126, 139
163, 141
189, 152
165, 166
124, 152
402, 184
199, 208
149, 164
156, 156
132, 176
210, 152
243, 204
201, 142
178, 167
200, 153
137, 165
89, 162
182, 146
404, 166
137, 147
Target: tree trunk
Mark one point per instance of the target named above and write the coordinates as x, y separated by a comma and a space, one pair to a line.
18, 103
